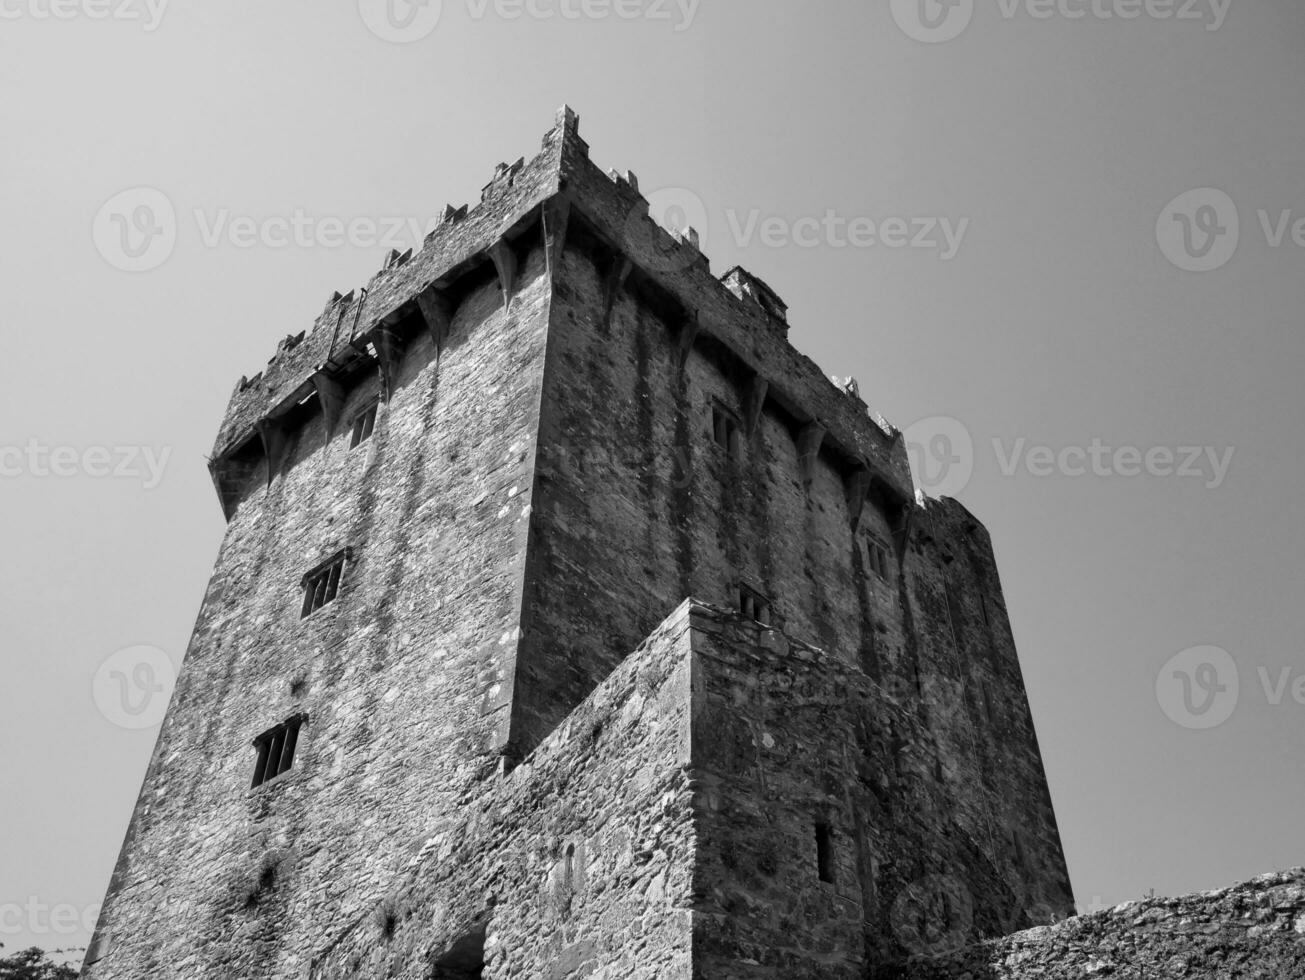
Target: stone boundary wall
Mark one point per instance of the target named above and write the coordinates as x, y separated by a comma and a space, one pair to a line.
577, 864
1253, 931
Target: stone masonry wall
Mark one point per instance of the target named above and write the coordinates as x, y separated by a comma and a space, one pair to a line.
636, 507
404, 677
796, 739
578, 863
1254, 931
983, 764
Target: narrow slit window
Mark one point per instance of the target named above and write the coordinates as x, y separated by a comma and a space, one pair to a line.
568, 866
322, 584
824, 853
364, 424
1021, 856
753, 605
877, 555
725, 430
276, 750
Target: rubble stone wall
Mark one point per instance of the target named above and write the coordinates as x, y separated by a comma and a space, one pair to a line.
578, 863
1255, 931
801, 752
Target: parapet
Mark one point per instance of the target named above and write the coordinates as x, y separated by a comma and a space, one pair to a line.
463, 240
556, 196
751, 289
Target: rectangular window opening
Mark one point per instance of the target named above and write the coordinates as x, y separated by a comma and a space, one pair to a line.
322, 584
364, 424
877, 555
725, 431
824, 853
1021, 856
753, 605
276, 750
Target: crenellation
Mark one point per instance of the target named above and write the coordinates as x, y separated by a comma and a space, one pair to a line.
746, 287
465, 239
395, 286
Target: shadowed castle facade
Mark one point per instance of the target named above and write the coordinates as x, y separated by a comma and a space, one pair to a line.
449, 709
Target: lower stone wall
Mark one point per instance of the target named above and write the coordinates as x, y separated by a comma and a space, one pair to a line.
835, 830
1254, 931
578, 862
709, 813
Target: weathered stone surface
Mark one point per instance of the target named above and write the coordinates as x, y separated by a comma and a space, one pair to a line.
580, 860
1254, 931
542, 492
406, 678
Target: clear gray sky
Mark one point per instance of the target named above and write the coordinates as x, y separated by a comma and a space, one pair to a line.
1055, 142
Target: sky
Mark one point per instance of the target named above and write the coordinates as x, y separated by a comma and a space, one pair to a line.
1055, 242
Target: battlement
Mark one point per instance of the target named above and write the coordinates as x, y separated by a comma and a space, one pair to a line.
746, 286
348, 335
558, 198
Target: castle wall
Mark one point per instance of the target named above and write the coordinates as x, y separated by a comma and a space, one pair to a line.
789, 739
983, 759
637, 506
575, 864
404, 677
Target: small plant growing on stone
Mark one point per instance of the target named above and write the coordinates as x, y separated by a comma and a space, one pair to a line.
261, 880
386, 918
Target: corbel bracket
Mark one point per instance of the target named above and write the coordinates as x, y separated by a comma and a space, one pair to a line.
617, 276
276, 446
856, 485
331, 396
389, 354
505, 261
556, 221
755, 401
689, 330
902, 532
809, 441
437, 310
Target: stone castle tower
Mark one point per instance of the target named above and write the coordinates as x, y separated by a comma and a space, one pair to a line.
570, 623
